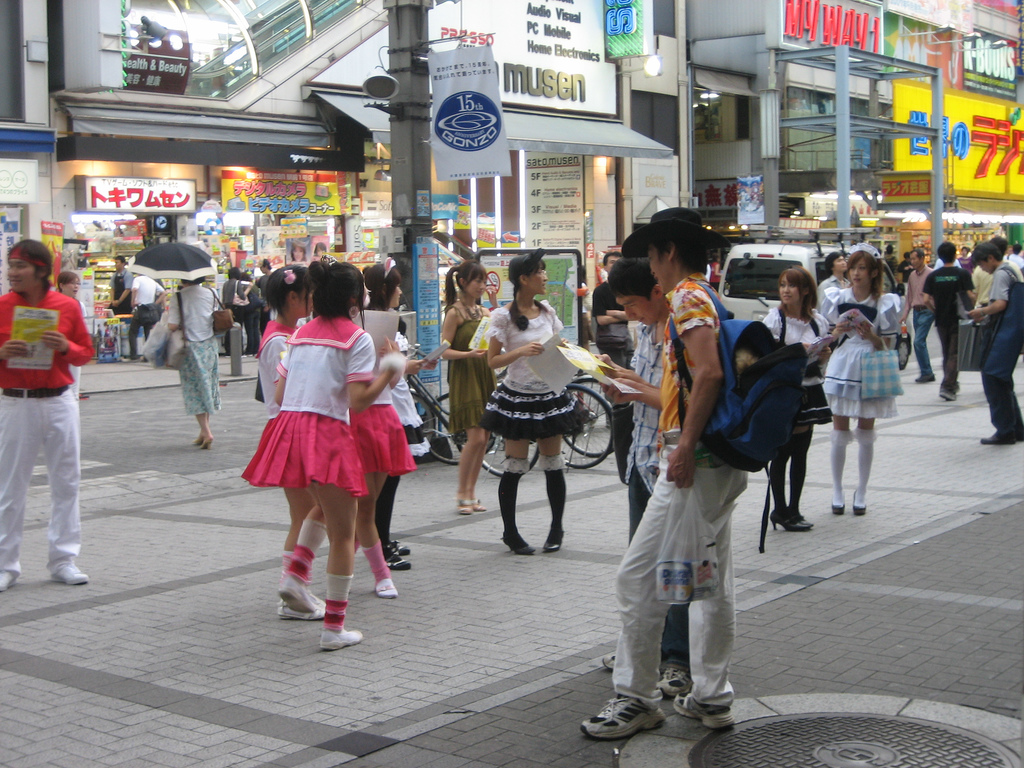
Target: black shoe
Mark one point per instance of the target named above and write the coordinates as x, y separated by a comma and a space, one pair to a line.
402, 550
860, 511
518, 545
947, 394
839, 510
925, 379
997, 440
554, 542
789, 521
396, 563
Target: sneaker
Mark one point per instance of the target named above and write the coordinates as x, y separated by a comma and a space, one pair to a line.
69, 574
622, 716
675, 681
332, 641
287, 613
7, 579
386, 588
947, 395
710, 716
608, 661
295, 595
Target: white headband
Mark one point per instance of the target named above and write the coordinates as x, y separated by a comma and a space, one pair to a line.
867, 248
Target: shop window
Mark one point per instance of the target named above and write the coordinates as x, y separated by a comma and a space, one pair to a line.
665, 18
720, 117
11, 60
813, 151
656, 116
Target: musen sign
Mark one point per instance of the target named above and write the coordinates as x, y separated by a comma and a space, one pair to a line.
550, 53
817, 24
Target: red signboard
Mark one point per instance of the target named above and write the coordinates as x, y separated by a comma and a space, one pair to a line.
823, 24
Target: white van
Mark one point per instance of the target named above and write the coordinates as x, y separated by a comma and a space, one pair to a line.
750, 275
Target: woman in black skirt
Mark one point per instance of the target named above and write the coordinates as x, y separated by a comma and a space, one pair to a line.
523, 408
796, 321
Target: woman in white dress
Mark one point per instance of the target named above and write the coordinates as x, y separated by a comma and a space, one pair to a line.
843, 379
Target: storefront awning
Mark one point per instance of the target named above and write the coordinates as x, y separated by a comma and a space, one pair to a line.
26, 140
532, 132
194, 126
723, 82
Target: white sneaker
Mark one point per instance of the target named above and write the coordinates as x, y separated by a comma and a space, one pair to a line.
69, 574
332, 641
295, 595
608, 661
7, 579
287, 613
386, 588
675, 681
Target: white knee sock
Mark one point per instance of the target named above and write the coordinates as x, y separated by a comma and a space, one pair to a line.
311, 534
840, 439
865, 455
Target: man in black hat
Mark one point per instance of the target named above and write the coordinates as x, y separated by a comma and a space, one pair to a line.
690, 479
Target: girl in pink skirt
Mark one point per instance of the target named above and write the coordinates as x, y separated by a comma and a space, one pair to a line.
327, 374
382, 441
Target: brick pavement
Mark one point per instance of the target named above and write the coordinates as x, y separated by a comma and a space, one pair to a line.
172, 654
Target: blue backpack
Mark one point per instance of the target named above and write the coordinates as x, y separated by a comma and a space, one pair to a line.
760, 396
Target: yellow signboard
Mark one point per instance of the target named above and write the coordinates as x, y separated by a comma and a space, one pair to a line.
984, 139
301, 193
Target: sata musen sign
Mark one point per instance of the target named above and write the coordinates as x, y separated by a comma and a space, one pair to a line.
820, 24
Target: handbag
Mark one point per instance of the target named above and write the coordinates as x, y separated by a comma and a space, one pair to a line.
903, 346
687, 568
880, 374
223, 319
239, 299
147, 314
155, 348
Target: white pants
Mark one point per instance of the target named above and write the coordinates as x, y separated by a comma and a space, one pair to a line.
712, 622
26, 425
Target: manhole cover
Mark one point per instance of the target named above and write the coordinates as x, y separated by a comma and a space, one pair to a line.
848, 741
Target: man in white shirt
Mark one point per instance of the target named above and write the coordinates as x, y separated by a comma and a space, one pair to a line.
147, 306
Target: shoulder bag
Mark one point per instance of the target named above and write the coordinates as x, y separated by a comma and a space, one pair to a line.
880, 374
223, 319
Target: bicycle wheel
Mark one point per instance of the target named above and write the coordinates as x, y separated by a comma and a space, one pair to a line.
442, 446
592, 442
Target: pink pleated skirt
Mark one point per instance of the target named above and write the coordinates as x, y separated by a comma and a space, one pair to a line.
383, 446
298, 449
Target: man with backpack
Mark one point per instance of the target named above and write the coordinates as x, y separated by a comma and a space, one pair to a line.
691, 482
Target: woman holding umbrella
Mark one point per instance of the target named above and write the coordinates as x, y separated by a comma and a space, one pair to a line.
191, 310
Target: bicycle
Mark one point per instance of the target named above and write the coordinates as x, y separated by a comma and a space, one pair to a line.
583, 449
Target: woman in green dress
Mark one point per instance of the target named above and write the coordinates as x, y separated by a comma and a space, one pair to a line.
470, 378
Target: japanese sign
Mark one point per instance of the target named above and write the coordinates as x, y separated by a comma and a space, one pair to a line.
135, 195
554, 200
307, 193
427, 301
468, 128
19, 181
628, 28
721, 193
561, 286
939, 13
750, 201
983, 139
989, 67
907, 188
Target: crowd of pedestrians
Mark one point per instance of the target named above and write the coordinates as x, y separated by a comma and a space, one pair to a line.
342, 427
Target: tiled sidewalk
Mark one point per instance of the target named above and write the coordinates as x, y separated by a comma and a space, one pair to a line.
172, 655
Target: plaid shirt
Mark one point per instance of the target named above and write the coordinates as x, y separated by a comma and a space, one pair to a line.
643, 453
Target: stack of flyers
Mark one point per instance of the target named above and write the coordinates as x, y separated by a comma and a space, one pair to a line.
852, 316
479, 340
586, 361
815, 347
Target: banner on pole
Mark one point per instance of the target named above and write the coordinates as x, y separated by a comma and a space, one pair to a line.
750, 200
468, 129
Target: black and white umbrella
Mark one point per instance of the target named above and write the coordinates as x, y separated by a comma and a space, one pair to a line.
180, 260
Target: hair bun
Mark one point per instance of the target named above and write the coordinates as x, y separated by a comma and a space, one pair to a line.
522, 322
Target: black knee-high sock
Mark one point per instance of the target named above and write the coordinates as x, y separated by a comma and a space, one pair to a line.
556, 496
798, 446
777, 478
385, 508
508, 490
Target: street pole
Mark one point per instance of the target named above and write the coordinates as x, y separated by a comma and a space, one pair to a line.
410, 127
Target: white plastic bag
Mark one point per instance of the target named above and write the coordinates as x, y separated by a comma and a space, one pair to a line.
687, 568
155, 348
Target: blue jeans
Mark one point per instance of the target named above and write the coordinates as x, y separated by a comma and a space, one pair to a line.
675, 637
1003, 408
923, 319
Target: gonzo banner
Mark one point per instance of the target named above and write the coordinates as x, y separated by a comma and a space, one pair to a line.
468, 129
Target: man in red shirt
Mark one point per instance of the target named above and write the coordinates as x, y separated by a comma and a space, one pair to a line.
39, 410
